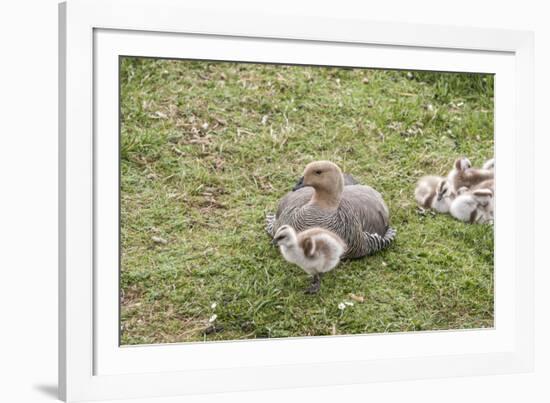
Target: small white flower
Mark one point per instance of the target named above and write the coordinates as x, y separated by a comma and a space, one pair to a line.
341, 306
213, 318
348, 303
214, 305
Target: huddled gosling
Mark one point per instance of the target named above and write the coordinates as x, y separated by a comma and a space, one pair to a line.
463, 175
434, 192
488, 184
474, 206
489, 164
315, 250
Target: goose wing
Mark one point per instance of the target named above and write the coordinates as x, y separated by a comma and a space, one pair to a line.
367, 206
294, 200
350, 180
367, 217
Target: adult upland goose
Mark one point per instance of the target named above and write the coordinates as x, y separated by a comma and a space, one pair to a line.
356, 213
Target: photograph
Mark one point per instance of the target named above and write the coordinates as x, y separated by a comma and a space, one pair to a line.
264, 201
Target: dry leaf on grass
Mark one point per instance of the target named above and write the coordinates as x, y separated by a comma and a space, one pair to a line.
158, 239
357, 298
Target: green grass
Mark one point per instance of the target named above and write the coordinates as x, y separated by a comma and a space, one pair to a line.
207, 149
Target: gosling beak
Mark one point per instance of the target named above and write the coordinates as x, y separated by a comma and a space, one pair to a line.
299, 184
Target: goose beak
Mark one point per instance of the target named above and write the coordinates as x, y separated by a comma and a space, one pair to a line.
299, 184
274, 242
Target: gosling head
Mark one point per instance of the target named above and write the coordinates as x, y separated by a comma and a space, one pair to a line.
443, 190
489, 164
462, 164
285, 236
323, 176
483, 197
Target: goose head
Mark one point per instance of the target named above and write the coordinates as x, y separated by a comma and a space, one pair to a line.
285, 236
327, 180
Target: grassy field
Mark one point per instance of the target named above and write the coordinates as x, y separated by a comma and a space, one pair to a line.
207, 149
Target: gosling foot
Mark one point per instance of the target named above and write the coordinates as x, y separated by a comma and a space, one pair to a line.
315, 285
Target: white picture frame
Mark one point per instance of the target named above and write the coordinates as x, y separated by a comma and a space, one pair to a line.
94, 33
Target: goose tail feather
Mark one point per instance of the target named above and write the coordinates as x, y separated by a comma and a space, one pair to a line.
377, 242
269, 223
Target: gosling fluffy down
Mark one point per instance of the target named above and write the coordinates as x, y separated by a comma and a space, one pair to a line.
463, 175
434, 192
474, 206
315, 250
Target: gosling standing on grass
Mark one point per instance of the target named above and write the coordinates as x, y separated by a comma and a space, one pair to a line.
315, 250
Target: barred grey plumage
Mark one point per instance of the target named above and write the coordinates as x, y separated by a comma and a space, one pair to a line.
360, 217
269, 221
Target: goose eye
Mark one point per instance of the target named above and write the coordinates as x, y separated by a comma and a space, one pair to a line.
318, 172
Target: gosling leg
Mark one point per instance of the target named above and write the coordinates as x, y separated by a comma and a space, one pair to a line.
315, 284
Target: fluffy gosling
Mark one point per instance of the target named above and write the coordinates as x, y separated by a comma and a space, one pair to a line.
489, 164
463, 175
488, 184
434, 192
315, 250
474, 206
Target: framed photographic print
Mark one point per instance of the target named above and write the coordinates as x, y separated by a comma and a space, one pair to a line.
245, 206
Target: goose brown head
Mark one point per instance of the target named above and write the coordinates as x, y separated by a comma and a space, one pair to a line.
327, 180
